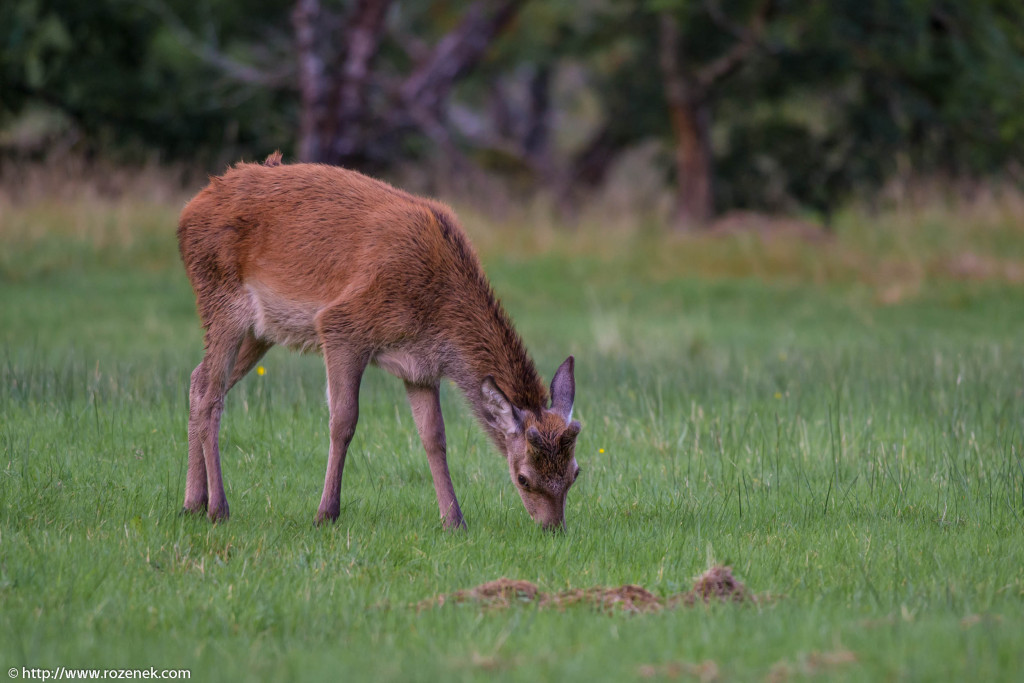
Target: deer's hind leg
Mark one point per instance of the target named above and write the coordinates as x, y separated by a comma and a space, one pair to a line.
196, 492
196, 495
210, 382
249, 354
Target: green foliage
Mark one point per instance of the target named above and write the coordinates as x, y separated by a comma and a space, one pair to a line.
119, 71
862, 91
839, 96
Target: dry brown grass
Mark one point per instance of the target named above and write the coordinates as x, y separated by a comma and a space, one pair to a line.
896, 248
74, 179
912, 236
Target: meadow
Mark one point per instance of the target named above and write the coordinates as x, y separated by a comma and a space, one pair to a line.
840, 421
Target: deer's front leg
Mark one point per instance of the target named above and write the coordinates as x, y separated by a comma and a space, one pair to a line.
426, 410
344, 373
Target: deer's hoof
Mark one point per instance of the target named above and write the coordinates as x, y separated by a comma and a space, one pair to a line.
219, 513
190, 511
458, 524
326, 517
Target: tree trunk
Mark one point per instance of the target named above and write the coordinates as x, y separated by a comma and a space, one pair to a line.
312, 79
688, 113
694, 194
337, 125
688, 93
346, 140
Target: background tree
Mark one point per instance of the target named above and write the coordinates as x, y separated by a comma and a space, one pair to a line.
756, 104
690, 83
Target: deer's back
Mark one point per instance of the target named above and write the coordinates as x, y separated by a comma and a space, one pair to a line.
282, 244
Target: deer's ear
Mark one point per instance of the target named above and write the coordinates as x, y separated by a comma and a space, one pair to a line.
500, 412
563, 389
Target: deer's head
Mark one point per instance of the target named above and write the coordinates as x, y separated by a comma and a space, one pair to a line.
540, 448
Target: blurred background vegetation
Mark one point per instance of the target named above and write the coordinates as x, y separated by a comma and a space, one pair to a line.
704, 107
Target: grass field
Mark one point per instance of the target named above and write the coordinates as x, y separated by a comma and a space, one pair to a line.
842, 423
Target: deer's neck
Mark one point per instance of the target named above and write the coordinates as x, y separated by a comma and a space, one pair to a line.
487, 344
479, 334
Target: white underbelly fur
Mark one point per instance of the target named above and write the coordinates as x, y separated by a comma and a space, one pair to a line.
405, 365
293, 324
283, 321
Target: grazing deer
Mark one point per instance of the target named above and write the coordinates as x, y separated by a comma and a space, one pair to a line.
321, 258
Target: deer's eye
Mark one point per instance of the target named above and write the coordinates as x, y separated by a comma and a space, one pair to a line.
524, 482
577, 475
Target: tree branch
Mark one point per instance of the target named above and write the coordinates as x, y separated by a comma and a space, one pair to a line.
718, 18
211, 55
457, 54
748, 40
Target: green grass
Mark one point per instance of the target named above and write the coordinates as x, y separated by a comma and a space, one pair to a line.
860, 462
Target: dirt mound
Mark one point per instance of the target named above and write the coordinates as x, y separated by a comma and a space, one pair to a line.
628, 598
500, 593
717, 583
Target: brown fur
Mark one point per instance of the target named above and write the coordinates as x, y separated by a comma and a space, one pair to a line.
324, 259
